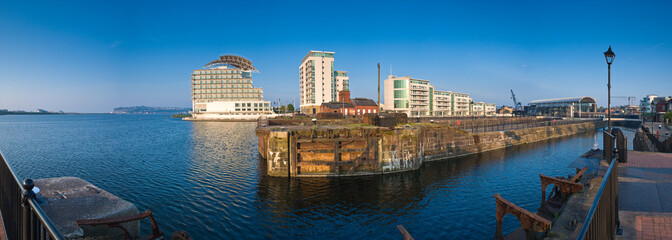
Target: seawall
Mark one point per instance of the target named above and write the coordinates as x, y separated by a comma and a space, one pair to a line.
354, 151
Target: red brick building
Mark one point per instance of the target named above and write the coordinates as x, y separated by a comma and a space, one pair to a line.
364, 106
344, 108
352, 107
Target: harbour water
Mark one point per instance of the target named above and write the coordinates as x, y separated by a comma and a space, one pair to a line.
205, 178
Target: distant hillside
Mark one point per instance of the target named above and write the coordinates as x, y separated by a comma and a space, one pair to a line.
150, 110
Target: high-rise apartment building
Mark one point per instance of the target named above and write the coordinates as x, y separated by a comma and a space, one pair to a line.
319, 82
223, 89
416, 97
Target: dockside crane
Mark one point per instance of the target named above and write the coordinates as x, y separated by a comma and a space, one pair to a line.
516, 105
631, 99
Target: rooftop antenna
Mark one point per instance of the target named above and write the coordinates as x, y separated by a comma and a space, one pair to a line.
390, 69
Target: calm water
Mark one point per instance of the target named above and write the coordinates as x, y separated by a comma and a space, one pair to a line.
205, 178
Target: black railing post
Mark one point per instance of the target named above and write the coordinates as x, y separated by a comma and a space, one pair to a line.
26, 196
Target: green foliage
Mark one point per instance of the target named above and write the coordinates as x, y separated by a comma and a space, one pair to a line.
290, 108
668, 116
181, 115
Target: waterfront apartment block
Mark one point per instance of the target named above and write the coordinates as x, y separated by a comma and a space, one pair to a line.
416, 97
645, 104
461, 103
319, 82
223, 89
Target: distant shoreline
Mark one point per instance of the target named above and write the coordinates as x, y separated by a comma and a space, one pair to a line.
30, 113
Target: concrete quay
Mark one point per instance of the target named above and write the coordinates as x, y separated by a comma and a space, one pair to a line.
335, 151
68, 199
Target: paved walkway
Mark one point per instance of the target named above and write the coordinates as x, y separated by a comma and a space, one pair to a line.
645, 196
662, 130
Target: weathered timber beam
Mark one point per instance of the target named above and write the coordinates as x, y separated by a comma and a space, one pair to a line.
323, 150
323, 163
317, 140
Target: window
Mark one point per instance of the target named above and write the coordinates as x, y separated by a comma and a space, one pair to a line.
400, 93
399, 83
400, 103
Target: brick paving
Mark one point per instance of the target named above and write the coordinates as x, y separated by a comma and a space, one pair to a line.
653, 227
648, 160
645, 196
2, 229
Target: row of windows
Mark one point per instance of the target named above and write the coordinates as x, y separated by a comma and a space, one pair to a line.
252, 104
213, 96
419, 82
218, 77
319, 54
224, 86
252, 109
228, 91
229, 71
249, 81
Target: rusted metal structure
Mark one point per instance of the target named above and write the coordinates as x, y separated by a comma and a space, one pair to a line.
115, 222
236, 61
532, 223
561, 191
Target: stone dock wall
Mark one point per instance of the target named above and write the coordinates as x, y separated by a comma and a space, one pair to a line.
354, 151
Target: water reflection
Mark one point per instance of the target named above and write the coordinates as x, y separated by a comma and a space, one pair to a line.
442, 199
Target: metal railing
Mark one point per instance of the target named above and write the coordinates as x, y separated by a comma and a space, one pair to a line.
490, 124
22, 216
602, 219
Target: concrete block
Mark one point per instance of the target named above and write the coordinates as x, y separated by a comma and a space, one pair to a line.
68, 199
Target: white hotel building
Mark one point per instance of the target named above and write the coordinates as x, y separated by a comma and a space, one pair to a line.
223, 89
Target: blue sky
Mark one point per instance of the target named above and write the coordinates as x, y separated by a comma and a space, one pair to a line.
92, 56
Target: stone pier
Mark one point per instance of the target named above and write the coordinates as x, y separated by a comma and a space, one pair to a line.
331, 151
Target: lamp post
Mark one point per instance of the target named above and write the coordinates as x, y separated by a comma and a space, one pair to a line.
609, 56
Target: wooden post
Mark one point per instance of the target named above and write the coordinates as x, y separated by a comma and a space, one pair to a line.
337, 157
293, 158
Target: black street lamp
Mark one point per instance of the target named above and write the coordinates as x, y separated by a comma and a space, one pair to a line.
609, 56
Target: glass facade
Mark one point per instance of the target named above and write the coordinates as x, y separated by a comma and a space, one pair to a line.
400, 84
400, 103
400, 93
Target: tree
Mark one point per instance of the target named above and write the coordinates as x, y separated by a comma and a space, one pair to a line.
290, 108
668, 116
507, 111
282, 109
601, 109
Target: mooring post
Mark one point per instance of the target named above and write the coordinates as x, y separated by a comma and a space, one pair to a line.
26, 196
